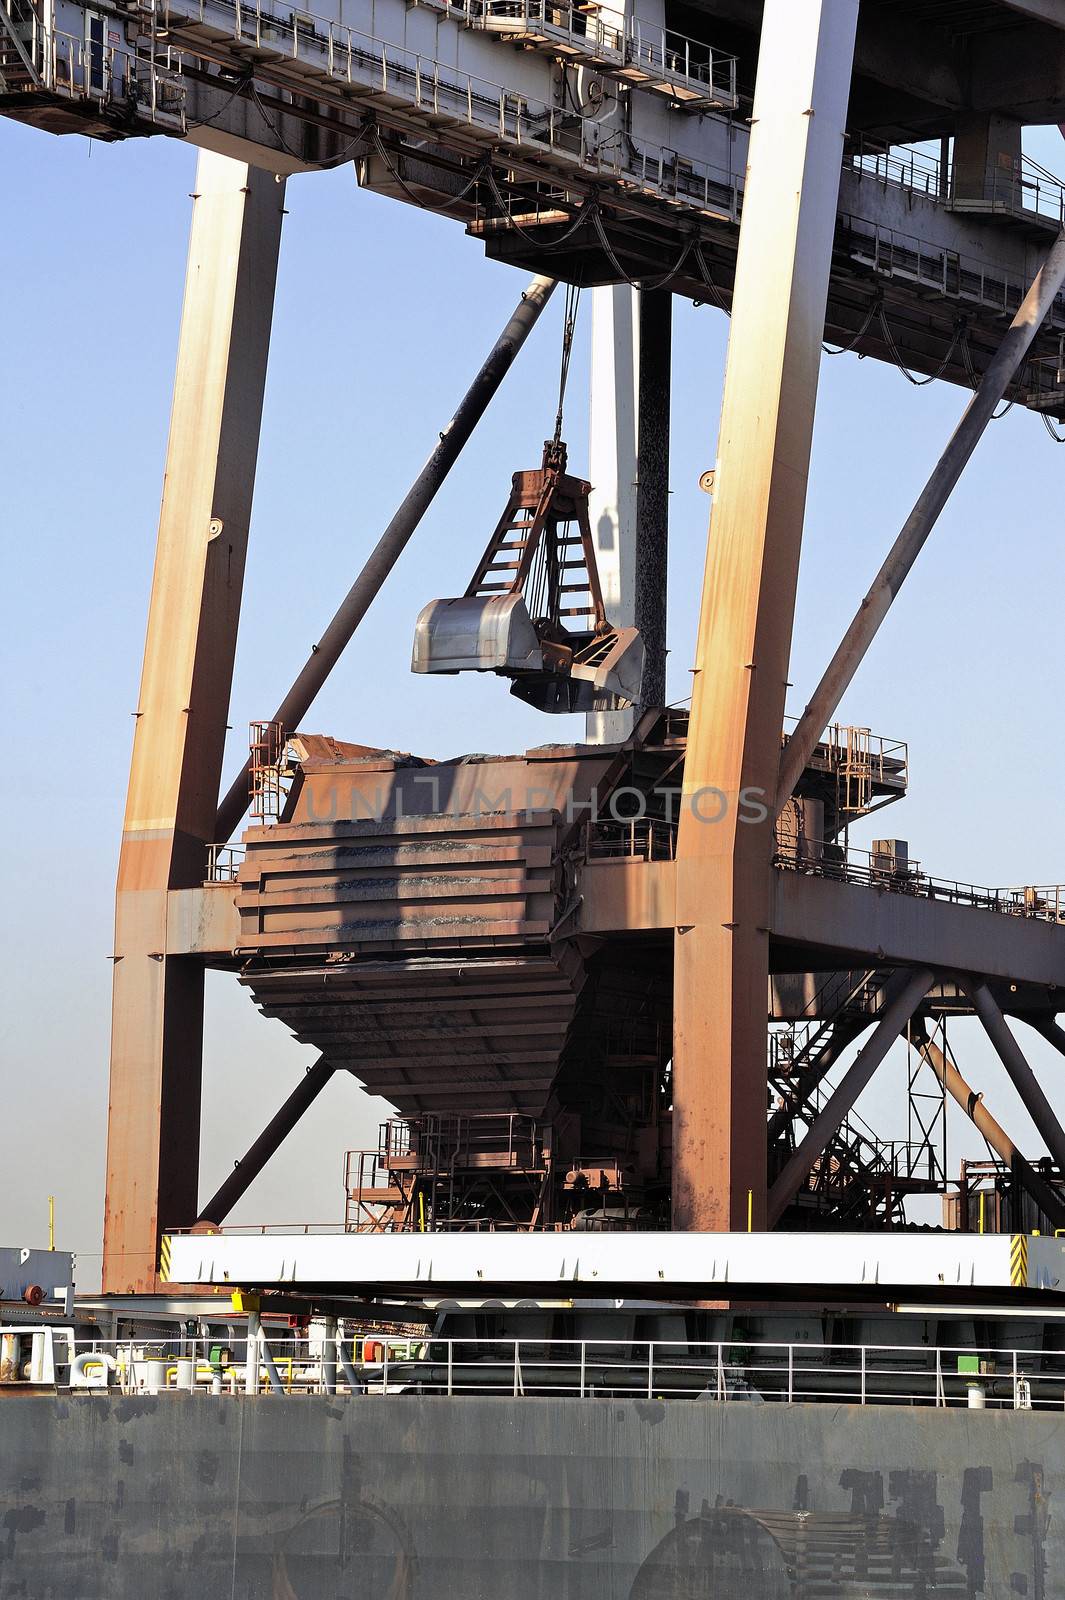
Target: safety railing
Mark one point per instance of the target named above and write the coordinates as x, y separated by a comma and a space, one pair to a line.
224, 862
966, 279
112, 74
240, 1358
1022, 188
875, 869
392, 74
885, 760
907, 167
636, 838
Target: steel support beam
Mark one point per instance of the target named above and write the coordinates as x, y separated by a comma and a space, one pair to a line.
907, 990
1047, 1199
419, 497
1050, 1029
269, 1141
725, 846
1023, 1078
157, 1018
922, 519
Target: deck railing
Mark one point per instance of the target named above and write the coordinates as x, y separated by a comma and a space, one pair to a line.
726, 1371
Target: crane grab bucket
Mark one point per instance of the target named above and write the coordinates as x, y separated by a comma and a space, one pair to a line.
538, 573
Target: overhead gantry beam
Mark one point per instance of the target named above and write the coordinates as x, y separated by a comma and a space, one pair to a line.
725, 846
153, 1130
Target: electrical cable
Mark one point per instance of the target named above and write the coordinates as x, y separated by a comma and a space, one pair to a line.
642, 283
481, 171
705, 274
845, 349
893, 350
589, 208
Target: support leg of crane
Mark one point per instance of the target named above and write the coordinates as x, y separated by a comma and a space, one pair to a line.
726, 838
922, 519
393, 541
1023, 1078
1046, 1198
906, 991
153, 1130
269, 1141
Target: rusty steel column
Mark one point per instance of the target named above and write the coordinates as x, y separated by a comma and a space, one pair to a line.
652, 488
157, 1009
725, 844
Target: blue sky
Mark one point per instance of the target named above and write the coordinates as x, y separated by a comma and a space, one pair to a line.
383, 314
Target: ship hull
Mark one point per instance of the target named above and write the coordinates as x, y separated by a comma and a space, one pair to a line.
187, 1497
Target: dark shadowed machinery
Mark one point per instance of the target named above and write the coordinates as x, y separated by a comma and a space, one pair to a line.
621, 993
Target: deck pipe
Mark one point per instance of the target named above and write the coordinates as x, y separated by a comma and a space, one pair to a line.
922, 519
419, 497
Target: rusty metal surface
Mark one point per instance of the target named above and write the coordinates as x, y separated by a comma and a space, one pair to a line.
434, 1035
305, 1498
153, 1127
745, 621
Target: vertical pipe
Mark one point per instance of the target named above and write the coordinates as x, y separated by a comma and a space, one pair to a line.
329, 1356
652, 488
251, 1354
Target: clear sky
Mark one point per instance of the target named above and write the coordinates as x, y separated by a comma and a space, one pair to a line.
383, 314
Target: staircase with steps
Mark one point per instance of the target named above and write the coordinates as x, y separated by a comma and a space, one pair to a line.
19, 38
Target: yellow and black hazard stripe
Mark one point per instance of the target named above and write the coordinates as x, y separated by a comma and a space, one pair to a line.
1019, 1260
164, 1258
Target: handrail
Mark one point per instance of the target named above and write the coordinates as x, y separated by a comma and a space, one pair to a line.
380, 1362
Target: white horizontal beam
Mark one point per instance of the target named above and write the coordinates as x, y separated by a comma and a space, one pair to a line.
610, 1262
